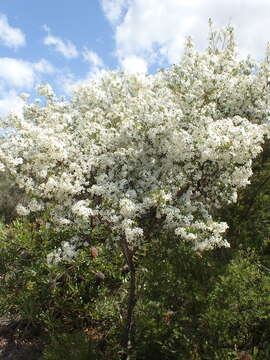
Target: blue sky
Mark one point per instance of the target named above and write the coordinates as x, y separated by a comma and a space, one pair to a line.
69, 42
81, 22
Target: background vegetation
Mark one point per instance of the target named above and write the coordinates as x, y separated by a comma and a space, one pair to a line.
211, 305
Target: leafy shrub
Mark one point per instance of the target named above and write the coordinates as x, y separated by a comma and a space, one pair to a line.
174, 285
238, 309
64, 297
249, 218
69, 347
10, 196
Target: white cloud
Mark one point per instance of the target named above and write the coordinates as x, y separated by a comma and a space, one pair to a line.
113, 9
69, 81
10, 36
155, 30
93, 58
66, 48
66, 82
134, 63
43, 66
149, 26
18, 75
22, 74
10, 101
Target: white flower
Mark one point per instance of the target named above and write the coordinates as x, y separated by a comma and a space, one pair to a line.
22, 210
34, 205
46, 91
130, 149
24, 96
82, 209
127, 208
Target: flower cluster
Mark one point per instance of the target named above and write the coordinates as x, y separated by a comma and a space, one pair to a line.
66, 252
129, 148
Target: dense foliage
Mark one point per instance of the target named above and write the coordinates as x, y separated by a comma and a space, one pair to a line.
123, 195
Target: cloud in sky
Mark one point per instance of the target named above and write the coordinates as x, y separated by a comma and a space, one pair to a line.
66, 48
96, 65
113, 9
133, 63
93, 58
10, 101
69, 81
22, 74
17, 75
10, 36
148, 34
154, 31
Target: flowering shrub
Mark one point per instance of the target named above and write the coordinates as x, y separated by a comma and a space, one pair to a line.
171, 146
61, 297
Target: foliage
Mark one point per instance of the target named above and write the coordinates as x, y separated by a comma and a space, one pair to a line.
175, 283
10, 197
249, 219
238, 308
193, 305
70, 347
63, 297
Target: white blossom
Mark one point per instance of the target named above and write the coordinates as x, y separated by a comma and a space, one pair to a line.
46, 91
22, 210
35, 205
81, 208
24, 96
131, 147
66, 252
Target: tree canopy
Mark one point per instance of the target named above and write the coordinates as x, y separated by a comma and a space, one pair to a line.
172, 146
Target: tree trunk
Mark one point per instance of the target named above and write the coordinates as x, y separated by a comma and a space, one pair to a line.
129, 329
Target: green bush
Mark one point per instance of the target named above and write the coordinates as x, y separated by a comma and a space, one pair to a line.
190, 305
70, 347
249, 218
10, 196
238, 314
67, 297
174, 284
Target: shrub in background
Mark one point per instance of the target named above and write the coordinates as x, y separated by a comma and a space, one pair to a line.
238, 308
84, 296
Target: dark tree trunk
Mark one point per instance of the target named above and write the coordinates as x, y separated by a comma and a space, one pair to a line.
129, 329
